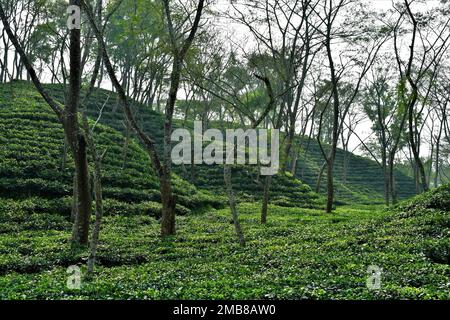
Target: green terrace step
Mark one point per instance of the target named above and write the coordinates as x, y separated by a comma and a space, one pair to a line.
31, 157
363, 174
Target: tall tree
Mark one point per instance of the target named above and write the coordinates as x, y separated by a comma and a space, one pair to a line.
68, 116
179, 51
413, 70
363, 60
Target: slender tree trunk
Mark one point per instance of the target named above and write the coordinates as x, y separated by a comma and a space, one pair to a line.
97, 182
125, 144
330, 185
385, 178
430, 167
336, 125
64, 156
294, 164
319, 177
77, 140
345, 164
80, 231
392, 188
412, 102
265, 203
414, 147
232, 200
168, 203
74, 212
168, 200
436, 163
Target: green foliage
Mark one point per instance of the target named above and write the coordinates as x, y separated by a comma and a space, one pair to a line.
437, 199
428, 215
298, 254
32, 157
362, 182
207, 178
31, 164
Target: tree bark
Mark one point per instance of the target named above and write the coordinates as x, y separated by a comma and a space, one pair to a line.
330, 185
97, 181
319, 177
412, 141
163, 170
168, 204
437, 158
392, 188
77, 140
265, 203
68, 117
232, 201
80, 231
385, 178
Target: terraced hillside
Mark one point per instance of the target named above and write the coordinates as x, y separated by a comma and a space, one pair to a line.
301, 253
285, 191
32, 160
363, 182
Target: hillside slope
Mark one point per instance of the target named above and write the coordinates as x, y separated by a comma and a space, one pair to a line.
299, 254
363, 182
32, 160
285, 190
428, 216
32, 157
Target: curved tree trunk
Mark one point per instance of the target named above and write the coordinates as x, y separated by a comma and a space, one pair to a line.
319, 177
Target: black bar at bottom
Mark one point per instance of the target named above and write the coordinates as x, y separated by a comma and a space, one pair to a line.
238, 309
